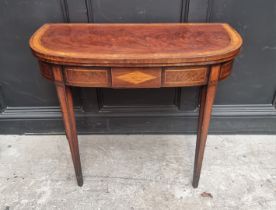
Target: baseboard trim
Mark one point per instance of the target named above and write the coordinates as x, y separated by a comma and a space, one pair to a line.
226, 119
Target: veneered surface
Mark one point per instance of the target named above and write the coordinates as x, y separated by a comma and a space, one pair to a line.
135, 43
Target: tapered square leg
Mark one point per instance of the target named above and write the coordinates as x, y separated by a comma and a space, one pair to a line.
66, 105
207, 99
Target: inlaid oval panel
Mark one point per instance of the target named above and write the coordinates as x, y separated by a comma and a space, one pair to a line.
136, 77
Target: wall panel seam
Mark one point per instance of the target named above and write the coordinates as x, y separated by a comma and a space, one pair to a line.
65, 10
90, 10
209, 11
184, 13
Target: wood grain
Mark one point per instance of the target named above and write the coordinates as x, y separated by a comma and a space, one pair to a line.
136, 77
132, 44
46, 70
87, 77
226, 69
66, 105
181, 77
136, 56
207, 99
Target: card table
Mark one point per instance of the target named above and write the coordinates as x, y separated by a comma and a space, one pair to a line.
136, 56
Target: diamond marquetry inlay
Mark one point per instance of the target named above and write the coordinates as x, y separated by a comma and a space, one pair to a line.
136, 77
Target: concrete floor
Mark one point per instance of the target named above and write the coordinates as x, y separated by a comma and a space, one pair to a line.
137, 172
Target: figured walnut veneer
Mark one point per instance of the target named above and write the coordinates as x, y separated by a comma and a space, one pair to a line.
136, 56
123, 44
180, 76
87, 77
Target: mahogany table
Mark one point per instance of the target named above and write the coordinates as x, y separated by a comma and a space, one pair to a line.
136, 56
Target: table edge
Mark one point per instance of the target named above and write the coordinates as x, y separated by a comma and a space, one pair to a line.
225, 54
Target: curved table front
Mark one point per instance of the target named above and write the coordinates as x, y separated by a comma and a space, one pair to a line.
136, 56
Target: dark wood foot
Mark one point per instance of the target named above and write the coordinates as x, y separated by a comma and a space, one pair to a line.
207, 99
66, 104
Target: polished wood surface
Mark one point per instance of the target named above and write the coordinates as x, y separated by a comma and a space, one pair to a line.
181, 77
207, 99
87, 77
226, 69
126, 44
136, 77
136, 56
66, 105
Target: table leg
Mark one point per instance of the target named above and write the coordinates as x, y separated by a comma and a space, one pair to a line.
66, 104
207, 99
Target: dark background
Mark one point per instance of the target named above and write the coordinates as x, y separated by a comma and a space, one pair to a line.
245, 102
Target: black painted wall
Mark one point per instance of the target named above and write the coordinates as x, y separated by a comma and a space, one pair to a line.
245, 102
